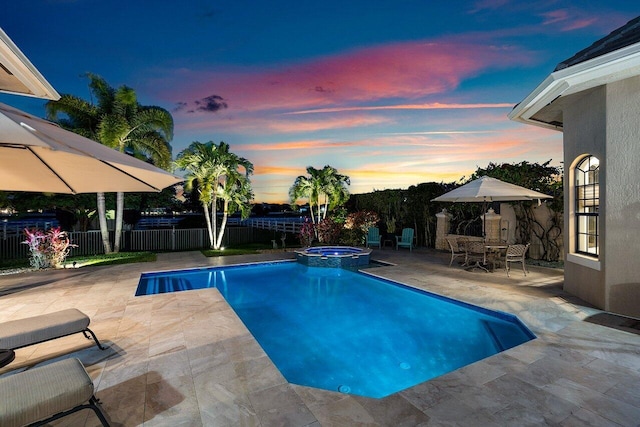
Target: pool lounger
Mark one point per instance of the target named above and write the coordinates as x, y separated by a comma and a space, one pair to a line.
40, 395
20, 333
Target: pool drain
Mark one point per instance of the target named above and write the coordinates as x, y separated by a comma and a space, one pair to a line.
405, 365
344, 389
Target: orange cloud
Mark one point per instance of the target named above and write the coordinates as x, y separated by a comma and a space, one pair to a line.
282, 146
287, 126
399, 161
278, 170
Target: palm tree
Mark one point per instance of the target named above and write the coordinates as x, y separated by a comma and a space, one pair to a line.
216, 174
120, 122
326, 184
334, 187
236, 195
307, 187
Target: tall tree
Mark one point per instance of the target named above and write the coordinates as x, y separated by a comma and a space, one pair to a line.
307, 187
334, 187
324, 184
120, 122
217, 175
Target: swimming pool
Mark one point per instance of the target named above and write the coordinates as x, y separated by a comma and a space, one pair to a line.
346, 331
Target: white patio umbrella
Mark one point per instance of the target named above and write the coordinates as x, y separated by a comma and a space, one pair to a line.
486, 189
39, 156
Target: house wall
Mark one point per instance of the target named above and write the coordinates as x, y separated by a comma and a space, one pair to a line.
622, 202
585, 126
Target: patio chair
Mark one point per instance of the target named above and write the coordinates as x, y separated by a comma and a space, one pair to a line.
373, 237
406, 240
457, 249
516, 253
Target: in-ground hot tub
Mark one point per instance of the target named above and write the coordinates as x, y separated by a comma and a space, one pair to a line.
334, 256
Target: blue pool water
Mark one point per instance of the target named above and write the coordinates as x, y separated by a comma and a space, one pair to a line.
333, 250
346, 331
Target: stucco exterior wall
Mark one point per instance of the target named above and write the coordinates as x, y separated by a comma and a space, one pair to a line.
585, 127
622, 202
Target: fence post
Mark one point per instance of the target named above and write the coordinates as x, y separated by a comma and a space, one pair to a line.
173, 238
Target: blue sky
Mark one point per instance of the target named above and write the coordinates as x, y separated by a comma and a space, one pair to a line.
391, 93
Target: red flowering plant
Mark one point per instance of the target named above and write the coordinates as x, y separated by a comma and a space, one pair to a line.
48, 249
329, 231
307, 233
37, 248
59, 246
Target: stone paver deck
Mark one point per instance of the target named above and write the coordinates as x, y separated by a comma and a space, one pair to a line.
186, 359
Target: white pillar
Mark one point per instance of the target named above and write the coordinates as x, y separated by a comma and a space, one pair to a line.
491, 225
442, 229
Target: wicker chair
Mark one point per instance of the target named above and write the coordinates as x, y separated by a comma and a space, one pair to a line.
516, 253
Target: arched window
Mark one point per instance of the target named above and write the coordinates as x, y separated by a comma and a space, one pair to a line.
587, 186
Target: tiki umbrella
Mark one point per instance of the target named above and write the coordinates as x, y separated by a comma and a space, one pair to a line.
38, 155
486, 189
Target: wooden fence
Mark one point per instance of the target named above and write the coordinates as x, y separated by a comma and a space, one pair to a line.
286, 226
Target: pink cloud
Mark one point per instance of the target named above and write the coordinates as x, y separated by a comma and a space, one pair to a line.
424, 106
568, 19
256, 124
488, 4
409, 70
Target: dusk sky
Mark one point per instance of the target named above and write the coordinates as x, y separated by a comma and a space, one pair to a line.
391, 93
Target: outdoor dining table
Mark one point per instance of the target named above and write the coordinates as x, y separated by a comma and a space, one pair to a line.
494, 247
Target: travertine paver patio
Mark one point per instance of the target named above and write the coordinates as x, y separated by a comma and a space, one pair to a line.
186, 359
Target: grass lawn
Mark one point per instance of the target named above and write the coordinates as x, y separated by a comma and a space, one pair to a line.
247, 249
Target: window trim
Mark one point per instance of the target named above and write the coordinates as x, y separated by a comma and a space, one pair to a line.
590, 197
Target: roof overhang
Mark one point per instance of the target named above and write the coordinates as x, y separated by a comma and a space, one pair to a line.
18, 76
542, 108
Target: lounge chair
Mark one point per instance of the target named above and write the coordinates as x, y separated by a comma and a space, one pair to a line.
457, 249
20, 333
406, 240
516, 253
373, 237
40, 395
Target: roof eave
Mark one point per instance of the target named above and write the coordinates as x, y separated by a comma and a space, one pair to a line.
18, 65
613, 66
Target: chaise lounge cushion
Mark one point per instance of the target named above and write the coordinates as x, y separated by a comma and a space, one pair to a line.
22, 332
41, 392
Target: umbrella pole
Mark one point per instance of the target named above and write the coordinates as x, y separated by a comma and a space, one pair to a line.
484, 221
